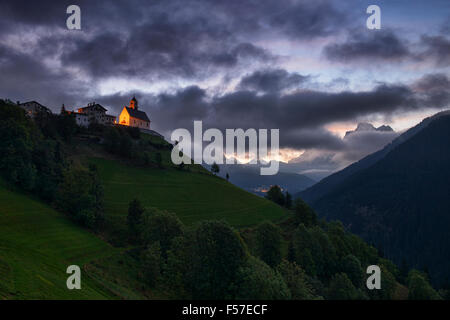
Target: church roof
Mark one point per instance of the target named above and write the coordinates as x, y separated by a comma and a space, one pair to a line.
141, 115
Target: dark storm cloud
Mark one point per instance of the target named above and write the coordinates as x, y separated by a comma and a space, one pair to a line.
309, 109
180, 109
162, 47
300, 116
437, 48
35, 13
160, 39
272, 80
432, 82
308, 19
318, 138
433, 89
368, 45
27, 78
385, 45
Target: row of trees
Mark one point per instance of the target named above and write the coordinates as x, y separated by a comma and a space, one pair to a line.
210, 261
34, 160
276, 195
214, 261
29, 160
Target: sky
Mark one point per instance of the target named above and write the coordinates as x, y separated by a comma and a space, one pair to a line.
309, 68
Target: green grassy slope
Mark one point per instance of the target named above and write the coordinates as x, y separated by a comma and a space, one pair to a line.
36, 246
192, 196
37, 243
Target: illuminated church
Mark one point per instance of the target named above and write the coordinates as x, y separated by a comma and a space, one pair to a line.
133, 117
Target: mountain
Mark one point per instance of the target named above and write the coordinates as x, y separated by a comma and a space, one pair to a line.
365, 127
398, 198
327, 184
248, 177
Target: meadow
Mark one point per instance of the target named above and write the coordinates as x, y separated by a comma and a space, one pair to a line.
37, 244
193, 196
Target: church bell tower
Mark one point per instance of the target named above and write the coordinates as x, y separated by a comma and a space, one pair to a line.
134, 103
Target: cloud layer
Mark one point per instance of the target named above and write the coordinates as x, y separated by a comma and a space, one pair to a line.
299, 66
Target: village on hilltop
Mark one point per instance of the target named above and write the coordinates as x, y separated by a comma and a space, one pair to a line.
95, 113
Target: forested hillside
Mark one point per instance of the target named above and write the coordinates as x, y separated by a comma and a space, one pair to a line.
402, 202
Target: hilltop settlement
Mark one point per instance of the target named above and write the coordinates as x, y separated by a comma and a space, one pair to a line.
95, 113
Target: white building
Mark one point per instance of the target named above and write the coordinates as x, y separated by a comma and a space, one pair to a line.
96, 113
92, 113
81, 119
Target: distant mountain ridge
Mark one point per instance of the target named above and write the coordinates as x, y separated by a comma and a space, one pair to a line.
367, 127
248, 177
327, 184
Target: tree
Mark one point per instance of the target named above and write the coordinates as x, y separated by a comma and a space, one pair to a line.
291, 252
268, 242
161, 226
352, 267
215, 168
420, 288
304, 214
288, 200
341, 288
134, 219
403, 271
296, 280
257, 281
274, 194
16, 146
151, 263
218, 254
66, 126
388, 284
323, 253
81, 195
177, 271
303, 244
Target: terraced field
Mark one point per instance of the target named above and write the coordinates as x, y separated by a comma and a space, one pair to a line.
192, 196
36, 246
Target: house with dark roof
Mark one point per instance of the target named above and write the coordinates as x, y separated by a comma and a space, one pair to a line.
133, 117
32, 108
